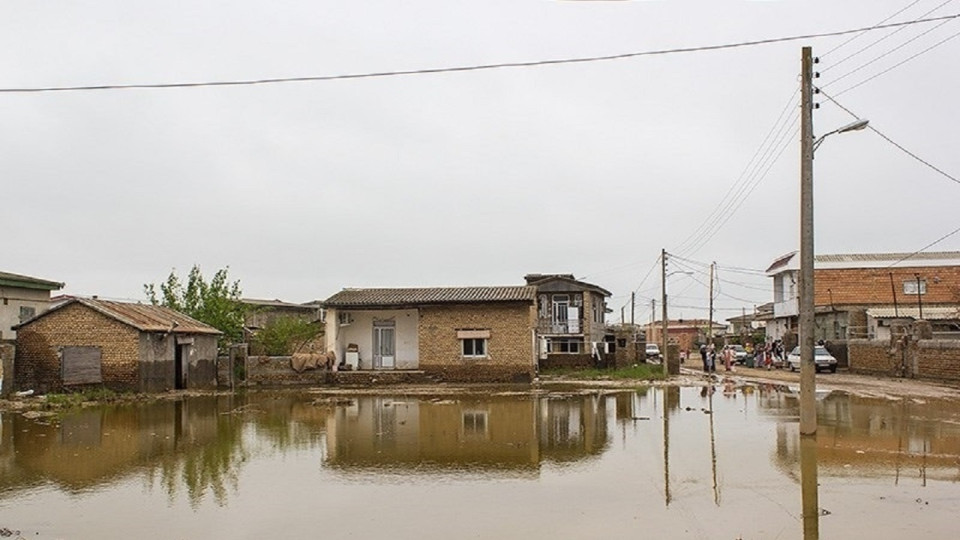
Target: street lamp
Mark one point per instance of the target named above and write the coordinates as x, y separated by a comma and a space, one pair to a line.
808, 369
663, 329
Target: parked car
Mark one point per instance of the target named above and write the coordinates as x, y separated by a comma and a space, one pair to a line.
653, 351
821, 357
740, 354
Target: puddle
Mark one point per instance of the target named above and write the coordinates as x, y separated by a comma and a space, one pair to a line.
727, 463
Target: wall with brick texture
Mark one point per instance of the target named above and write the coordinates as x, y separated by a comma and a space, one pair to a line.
865, 286
37, 364
510, 354
924, 359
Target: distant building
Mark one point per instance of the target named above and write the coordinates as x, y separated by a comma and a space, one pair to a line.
857, 295
123, 346
260, 313
688, 334
751, 323
21, 298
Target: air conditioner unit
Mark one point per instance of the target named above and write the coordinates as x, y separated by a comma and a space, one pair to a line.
344, 318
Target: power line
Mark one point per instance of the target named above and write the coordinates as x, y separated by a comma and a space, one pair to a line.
891, 68
891, 34
891, 141
884, 55
846, 41
926, 247
477, 67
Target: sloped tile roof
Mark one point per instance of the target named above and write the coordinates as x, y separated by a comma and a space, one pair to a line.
143, 317
931, 313
428, 296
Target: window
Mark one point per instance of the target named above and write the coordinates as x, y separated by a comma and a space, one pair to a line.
474, 347
27, 312
910, 286
474, 424
564, 346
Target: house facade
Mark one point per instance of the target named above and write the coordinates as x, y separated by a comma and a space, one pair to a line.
21, 298
570, 322
687, 334
483, 334
848, 287
123, 346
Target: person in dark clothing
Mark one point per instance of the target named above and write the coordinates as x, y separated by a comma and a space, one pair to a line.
703, 356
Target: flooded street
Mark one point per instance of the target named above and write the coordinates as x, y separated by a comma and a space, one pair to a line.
577, 464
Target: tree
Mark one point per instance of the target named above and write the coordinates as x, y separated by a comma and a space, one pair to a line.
216, 303
286, 335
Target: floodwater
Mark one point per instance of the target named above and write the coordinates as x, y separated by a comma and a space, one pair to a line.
580, 464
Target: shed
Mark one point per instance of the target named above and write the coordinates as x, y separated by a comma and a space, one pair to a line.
120, 345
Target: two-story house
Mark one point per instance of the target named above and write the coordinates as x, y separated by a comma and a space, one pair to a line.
22, 298
855, 293
570, 319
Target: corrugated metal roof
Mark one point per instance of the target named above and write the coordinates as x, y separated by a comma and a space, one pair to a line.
276, 303
932, 313
27, 282
143, 317
889, 257
430, 295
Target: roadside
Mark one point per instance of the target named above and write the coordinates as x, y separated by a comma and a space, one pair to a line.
861, 385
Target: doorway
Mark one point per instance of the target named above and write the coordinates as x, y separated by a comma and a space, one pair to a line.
384, 344
180, 356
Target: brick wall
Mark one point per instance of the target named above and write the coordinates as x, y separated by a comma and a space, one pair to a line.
37, 364
510, 356
924, 359
862, 286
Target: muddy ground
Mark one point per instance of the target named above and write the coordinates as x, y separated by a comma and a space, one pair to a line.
861, 385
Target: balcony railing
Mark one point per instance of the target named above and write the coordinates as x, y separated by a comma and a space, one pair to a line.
569, 326
787, 308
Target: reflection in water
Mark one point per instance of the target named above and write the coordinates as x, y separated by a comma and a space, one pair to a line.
809, 487
494, 452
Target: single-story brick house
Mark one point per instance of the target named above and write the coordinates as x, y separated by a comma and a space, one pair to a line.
123, 346
483, 334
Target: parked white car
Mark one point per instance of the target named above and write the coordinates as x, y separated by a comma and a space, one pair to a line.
822, 359
653, 351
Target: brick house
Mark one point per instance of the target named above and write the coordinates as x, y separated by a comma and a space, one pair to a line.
687, 334
21, 298
849, 287
460, 333
570, 319
123, 346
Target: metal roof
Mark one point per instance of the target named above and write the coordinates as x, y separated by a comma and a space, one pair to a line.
428, 296
26, 282
791, 261
143, 317
932, 313
276, 303
540, 279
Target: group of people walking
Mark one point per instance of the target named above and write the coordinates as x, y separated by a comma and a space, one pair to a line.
764, 355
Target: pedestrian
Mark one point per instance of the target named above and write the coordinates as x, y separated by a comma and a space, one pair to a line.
727, 358
703, 357
712, 357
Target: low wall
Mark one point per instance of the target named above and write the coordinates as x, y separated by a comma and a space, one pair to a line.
935, 359
568, 361
479, 374
278, 371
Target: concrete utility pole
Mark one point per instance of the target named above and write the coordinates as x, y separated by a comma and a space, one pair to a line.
633, 306
710, 312
808, 370
669, 367
919, 300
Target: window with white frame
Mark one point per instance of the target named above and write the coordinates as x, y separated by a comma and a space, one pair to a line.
474, 347
911, 286
474, 343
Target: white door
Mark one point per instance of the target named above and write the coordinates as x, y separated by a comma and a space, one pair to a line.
384, 345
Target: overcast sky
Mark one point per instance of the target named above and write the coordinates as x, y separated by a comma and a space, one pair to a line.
471, 178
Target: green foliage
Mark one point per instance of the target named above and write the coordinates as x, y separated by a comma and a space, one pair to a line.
216, 302
286, 335
75, 399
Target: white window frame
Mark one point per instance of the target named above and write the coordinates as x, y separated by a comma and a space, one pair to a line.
910, 287
484, 353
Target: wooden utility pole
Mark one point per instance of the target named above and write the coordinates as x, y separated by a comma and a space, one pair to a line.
633, 306
808, 403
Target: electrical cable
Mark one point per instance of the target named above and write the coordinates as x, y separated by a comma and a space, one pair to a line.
926, 247
476, 67
891, 141
851, 38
